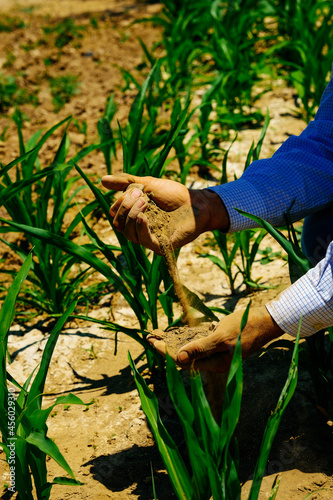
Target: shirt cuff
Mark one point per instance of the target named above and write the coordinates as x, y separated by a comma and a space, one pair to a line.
243, 195
309, 300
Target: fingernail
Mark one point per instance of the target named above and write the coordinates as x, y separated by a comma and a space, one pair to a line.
140, 203
136, 193
183, 357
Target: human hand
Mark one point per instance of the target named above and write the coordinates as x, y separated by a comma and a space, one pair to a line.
192, 212
214, 352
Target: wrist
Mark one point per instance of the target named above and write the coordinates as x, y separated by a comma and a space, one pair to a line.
209, 210
270, 329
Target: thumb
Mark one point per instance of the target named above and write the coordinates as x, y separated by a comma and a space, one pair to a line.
200, 348
120, 182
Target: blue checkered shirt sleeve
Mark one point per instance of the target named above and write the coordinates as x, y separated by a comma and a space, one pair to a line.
297, 179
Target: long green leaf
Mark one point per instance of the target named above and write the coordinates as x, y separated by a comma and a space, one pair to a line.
175, 466
77, 251
16, 187
46, 445
135, 119
274, 421
293, 251
21, 158
186, 415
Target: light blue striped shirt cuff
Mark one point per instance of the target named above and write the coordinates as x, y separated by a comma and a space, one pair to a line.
309, 298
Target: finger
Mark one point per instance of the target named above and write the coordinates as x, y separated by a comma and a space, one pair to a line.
144, 235
131, 194
201, 348
155, 334
159, 345
131, 225
120, 182
121, 209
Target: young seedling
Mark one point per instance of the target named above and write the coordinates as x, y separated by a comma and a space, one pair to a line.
22, 420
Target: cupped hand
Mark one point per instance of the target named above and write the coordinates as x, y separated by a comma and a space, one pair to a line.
214, 352
192, 212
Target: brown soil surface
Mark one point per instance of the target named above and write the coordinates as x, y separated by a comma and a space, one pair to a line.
109, 445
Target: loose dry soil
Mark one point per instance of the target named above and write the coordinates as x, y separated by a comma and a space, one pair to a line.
109, 445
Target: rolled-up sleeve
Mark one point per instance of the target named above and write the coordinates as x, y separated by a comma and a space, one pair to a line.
309, 298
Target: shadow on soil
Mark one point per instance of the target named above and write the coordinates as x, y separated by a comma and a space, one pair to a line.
132, 467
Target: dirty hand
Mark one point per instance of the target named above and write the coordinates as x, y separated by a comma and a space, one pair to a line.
214, 352
192, 212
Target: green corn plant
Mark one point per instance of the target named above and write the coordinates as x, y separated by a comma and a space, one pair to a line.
245, 243
22, 420
236, 32
249, 240
205, 122
65, 32
216, 45
62, 89
248, 243
41, 198
214, 468
106, 134
11, 93
228, 247
317, 352
191, 149
185, 27
145, 149
306, 52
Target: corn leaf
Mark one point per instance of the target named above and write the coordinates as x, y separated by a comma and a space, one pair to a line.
274, 421
135, 119
43, 443
26, 155
175, 466
66, 481
16, 187
185, 413
80, 252
7, 313
294, 253
275, 488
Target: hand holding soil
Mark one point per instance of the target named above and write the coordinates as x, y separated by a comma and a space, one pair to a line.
192, 212
163, 215
213, 351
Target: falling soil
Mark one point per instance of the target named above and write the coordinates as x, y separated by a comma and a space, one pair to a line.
175, 338
161, 227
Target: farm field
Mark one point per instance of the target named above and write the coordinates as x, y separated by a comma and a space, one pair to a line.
107, 441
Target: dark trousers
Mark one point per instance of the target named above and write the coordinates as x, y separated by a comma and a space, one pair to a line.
317, 234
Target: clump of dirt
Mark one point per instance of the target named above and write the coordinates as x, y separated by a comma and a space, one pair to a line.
177, 337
